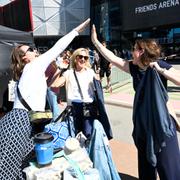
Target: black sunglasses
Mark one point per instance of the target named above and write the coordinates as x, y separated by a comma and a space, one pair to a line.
81, 56
30, 49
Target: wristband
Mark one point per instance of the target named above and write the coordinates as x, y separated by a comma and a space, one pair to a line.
162, 70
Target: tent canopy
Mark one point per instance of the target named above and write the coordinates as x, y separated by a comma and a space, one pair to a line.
9, 35
8, 38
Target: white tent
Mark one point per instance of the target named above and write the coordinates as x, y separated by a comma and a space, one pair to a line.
15, 36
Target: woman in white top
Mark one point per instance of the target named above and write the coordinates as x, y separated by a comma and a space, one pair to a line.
84, 108
15, 130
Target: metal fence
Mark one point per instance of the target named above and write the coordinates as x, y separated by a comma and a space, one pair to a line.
117, 76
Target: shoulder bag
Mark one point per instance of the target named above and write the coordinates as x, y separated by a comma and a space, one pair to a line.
38, 119
61, 128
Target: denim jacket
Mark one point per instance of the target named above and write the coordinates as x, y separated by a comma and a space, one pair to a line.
100, 153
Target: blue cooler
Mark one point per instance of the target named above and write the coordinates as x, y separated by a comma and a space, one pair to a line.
44, 148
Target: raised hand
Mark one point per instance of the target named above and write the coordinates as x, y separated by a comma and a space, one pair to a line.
82, 26
93, 34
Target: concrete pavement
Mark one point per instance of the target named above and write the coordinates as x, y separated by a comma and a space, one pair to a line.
125, 159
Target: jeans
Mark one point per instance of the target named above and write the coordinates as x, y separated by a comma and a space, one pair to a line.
52, 100
100, 153
82, 123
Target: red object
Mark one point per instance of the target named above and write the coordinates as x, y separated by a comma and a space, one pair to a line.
17, 15
50, 71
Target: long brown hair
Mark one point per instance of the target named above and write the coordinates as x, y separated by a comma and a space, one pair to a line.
151, 48
17, 64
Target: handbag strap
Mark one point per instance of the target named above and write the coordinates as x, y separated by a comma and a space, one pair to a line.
80, 91
24, 103
66, 113
73, 164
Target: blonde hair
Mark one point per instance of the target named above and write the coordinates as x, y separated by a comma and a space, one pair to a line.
75, 54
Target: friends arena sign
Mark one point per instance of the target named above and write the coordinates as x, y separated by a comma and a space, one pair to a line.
143, 14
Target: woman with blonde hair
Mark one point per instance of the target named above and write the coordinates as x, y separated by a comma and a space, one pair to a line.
78, 81
74, 59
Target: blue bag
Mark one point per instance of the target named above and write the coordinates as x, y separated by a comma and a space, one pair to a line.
62, 128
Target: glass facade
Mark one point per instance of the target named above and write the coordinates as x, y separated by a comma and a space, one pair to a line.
58, 17
107, 16
54, 18
168, 38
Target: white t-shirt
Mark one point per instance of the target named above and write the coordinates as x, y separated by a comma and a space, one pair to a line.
85, 79
32, 84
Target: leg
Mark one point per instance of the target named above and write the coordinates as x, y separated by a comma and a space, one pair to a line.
88, 126
16, 144
145, 169
78, 117
108, 81
101, 74
108, 75
169, 160
52, 100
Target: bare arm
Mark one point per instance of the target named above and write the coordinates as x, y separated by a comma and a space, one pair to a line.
172, 74
61, 44
109, 55
59, 82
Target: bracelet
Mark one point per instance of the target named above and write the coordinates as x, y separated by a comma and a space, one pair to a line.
162, 70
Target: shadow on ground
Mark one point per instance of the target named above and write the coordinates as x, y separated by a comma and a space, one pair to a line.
127, 177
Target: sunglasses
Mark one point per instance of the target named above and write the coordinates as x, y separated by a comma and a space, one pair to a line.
81, 57
30, 49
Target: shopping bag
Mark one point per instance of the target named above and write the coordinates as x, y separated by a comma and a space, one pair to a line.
62, 128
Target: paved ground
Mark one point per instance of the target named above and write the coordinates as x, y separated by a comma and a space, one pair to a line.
124, 152
125, 158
